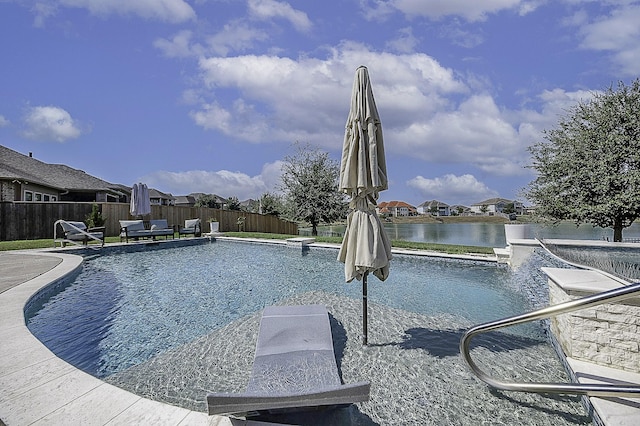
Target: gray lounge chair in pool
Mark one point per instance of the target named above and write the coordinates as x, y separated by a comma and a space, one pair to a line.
294, 368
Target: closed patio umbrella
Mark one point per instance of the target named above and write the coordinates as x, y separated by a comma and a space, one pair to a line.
140, 204
363, 174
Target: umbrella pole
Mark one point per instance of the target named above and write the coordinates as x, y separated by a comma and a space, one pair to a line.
364, 309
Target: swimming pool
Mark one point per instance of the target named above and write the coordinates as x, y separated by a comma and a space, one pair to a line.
153, 321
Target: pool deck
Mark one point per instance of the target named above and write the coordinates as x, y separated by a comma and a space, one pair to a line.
37, 387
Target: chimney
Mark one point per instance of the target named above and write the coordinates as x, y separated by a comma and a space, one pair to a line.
30, 154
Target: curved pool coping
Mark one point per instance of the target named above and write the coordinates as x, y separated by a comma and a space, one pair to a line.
37, 386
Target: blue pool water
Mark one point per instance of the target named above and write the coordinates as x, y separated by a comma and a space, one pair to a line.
175, 324
125, 308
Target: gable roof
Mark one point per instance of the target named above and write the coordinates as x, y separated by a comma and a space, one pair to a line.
433, 203
22, 167
394, 204
492, 201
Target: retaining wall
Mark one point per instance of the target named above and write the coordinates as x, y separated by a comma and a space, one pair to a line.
606, 335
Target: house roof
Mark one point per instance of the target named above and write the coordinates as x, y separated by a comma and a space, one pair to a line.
493, 201
154, 193
26, 168
433, 203
184, 199
394, 204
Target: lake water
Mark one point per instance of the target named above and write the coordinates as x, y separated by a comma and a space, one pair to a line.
482, 234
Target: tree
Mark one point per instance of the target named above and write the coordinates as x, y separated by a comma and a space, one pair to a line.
271, 204
233, 204
207, 201
509, 208
589, 165
309, 183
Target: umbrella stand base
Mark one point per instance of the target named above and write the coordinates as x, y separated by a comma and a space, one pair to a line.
364, 309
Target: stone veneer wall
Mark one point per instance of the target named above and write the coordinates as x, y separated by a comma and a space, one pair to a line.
607, 335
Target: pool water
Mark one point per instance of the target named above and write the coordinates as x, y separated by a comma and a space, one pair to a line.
125, 308
174, 324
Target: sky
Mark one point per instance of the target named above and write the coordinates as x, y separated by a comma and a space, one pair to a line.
212, 95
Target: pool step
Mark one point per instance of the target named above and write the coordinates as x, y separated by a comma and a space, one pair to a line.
300, 242
503, 254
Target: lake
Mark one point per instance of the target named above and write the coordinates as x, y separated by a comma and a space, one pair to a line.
482, 234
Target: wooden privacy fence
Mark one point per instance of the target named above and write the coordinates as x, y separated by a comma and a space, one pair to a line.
31, 220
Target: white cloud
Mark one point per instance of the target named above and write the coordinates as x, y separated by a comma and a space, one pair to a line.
222, 182
405, 42
308, 99
428, 111
173, 11
476, 133
452, 189
3, 121
236, 36
180, 46
469, 10
46, 123
267, 9
618, 32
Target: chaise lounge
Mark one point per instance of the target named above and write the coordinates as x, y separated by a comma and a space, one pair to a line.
294, 368
76, 233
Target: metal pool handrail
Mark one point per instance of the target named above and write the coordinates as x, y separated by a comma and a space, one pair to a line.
627, 390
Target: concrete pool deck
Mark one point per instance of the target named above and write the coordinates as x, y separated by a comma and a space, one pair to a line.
37, 387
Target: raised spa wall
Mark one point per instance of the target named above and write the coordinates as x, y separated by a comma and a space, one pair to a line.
606, 335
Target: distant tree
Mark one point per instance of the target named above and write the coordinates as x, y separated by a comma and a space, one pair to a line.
509, 208
233, 204
484, 209
95, 219
589, 165
271, 204
251, 206
309, 183
207, 201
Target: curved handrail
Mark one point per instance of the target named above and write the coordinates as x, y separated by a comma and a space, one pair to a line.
564, 388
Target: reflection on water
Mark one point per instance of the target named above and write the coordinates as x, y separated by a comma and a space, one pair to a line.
481, 234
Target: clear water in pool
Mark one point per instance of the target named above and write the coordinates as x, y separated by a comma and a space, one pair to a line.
126, 308
175, 324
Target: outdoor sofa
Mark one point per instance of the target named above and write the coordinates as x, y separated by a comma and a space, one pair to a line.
294, 367
135, 229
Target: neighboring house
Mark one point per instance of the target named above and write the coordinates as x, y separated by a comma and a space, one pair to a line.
158, 198
250, 205
435, 208
460, 210
23, 178
184, 200
495, 206
396, 209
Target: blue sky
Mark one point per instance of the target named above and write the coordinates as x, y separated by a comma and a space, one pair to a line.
210, 95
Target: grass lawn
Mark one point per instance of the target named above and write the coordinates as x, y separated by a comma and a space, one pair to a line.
445, 248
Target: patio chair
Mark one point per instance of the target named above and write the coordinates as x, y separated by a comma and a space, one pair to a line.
77, 233
160, 227
294, 368
191, 226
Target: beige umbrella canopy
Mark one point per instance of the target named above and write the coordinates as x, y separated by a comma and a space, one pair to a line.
363, 174
140, 204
